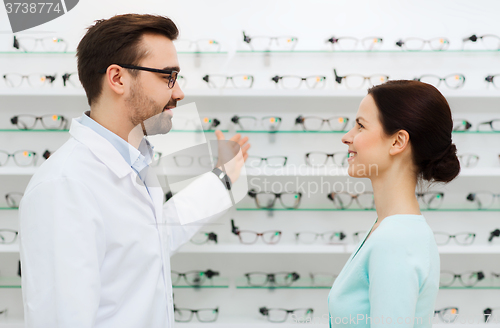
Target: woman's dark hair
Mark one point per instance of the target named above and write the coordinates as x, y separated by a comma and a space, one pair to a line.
116, 40
421, 110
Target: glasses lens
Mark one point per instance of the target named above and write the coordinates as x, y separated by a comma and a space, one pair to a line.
172, 79
13, 80
495, 125
24, 158
337, 123
265, 200
450, 315
208, 315
271, 237
259, 43
431, 79
378, 79
247, 122
184, 45
253, 161
302, 315
432, 200
372, 43
285, 43
290, 200
291, 82
175, 277
347, 43
53, 44
200, 238
316, 158
242, 81
4, 157
53, 122
248, 237
208, 45
439, 43
455, 81
312, 123
316, 82
306, 237
491, 42
207, 161
7, 236
13, 199
465, 238
468, 160
25, 122
271, 123
340, 159
27, 43
217, 81
441, 238
284, 278
196, 278
446, 278
257, 279
354, 81
414, 44
277, 315
366, 200
183, 160
276, 161
470, 278
37, 80
341, 200
182, 315
482, 199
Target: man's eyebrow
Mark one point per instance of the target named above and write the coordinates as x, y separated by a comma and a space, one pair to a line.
172, 68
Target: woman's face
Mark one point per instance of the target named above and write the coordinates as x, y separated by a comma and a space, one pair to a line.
368, 145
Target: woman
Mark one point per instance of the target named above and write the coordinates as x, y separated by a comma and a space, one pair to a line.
402, 136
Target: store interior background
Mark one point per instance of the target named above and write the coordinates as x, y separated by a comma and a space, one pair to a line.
312, 23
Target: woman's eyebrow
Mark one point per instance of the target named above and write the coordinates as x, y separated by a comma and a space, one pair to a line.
359, 118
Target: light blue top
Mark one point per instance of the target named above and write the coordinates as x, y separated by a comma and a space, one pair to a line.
392, 277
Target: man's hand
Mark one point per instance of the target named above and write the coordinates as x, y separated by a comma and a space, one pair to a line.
230, 155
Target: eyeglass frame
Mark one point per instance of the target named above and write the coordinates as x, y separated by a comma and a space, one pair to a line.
443, 79
211, 236
339, 78
206, 78
235, 230
476, 157
450, 236
264, 159
334, 40
197, 315
300, 120
253, 194
64, 122
271, 278
16, 233
441, 316
265, 312
480, 276
17, 45
208, 274
401, 42
248, 40
8, 196
467, 125
235, 119
340, 234
437, 193
15, 161
50, 78
470, 197
473, 38
173, 77
278, 78
490, 123
353, 197
332, 155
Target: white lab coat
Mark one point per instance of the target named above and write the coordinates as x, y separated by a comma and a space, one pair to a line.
95, 249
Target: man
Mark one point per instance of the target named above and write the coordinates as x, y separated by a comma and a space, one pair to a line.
95, 236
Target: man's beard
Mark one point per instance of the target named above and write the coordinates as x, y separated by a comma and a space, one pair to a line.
148, 113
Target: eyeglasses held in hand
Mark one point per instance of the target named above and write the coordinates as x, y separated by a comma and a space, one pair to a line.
463, 238
169, 75
8, 236
489, 41
49, 44
280, 315
490, 313
415, 44
267, 199
271, 161
203, 315
259, 279
319, 158
430, 199
330, 237
467, 279
242, 81
344, 200
193, 278
13, 199
294, 82
452, 81
350, 43
468, 160
461, 125
71, 79
250, 237
483, 199
21, 157
187, 160
356, 81
247, 123
203, 45
315, 123
202, 237
493, 124
322, 279
265, 43
35, 80
447, 315
49, 122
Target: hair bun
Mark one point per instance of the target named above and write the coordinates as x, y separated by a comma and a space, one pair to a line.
444, 167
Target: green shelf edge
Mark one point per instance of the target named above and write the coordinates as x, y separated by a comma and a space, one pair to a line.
362, 51
361, 210
39, 130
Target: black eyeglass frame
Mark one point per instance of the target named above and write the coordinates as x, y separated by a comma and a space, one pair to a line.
173, 73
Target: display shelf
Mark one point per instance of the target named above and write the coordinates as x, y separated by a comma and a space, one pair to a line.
395, 51
11, 248
301, 283
24, 53
8, 208
10, 282
215, 282
42, 130
367, 210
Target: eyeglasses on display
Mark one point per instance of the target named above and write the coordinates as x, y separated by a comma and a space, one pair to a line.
71, 79
330, 237
322, 279
248, 123
491, 80
250, 237
315, 123
13, 199
489, 41
467, 279
182, 123
490, 313
356, 81
350, 43
452, 81
319, 158
203, 315
430, 199
203, 45
260, 279
49, 44
203, 237
294, 82
49, 121
415, 44
461, 125
357, 236
482, 199
169, 74
193, 278
187, 160
493, 124
493, 234
344, 200
463, 238
46, 154
242, 81
8, 236
271, 161
35, 80
267, 43
281, 315
468, 160
21, 157
447, 315
267, 199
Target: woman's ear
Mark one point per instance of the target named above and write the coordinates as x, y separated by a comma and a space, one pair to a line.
400, 141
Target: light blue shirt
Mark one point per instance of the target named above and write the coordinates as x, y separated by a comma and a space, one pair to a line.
139, 159
393, 276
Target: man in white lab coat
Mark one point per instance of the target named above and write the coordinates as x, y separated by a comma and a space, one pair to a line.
95, 235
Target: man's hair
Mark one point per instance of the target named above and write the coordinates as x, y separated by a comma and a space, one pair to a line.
116, 41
